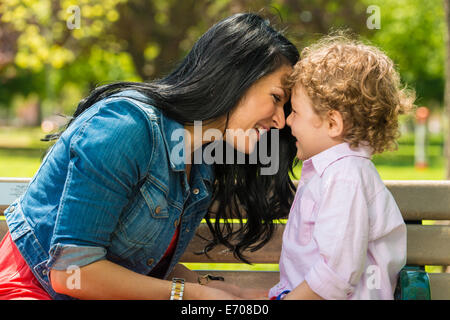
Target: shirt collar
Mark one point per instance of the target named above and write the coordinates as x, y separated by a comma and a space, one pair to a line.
324, 159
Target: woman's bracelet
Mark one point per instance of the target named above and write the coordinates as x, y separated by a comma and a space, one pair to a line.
177, 289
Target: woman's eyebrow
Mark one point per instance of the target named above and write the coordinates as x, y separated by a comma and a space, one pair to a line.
285, 91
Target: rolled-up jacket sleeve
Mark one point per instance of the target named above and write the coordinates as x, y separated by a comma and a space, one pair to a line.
109, 154
341, 233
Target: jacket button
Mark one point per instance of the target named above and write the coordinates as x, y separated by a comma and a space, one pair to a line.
175, 223
195, 191
158, 210
150, 261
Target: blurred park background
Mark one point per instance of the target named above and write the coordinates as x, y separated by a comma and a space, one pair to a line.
53, 52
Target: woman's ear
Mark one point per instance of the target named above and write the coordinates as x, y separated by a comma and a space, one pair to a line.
335, 124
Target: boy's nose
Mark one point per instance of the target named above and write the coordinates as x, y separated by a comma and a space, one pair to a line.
289, 120
278, 118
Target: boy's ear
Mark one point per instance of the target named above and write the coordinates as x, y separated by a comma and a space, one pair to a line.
335, 124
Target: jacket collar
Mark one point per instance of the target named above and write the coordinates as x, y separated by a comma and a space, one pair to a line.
173, 134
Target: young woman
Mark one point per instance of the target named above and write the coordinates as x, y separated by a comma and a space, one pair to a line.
111, 209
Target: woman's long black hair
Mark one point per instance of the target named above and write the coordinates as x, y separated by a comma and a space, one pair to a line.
206, 85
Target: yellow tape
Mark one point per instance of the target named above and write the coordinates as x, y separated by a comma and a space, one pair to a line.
281, 221
232, 266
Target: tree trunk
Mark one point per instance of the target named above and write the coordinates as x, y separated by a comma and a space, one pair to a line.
447, 88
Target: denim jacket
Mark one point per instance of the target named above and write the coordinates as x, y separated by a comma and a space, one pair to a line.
110, 188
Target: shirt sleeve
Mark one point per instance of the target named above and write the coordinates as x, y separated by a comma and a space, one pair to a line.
341, 233
109, 154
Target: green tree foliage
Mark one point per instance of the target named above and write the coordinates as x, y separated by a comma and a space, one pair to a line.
140, 40
53, 55
412, 33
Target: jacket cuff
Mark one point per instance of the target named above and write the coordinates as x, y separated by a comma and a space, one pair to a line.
63, 256
327, 283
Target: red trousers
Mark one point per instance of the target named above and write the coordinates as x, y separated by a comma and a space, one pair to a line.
16, 279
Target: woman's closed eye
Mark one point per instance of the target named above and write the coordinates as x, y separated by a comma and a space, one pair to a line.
276, 98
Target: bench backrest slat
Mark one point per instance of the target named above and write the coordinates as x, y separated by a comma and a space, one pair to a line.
417, 200
426, 245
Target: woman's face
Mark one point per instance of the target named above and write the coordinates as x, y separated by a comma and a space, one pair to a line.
260, 109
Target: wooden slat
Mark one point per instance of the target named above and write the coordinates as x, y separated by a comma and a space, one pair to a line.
10, 190
427, 245
248, 279
440, 286
3, 228
270, 253
417, 199
422, 199
439, 282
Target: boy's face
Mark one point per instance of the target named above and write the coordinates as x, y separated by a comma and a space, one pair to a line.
310, 130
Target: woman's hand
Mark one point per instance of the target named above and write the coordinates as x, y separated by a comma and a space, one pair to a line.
195, 291
223, 290
106, 280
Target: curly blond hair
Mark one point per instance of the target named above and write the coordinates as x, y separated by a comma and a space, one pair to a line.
358, 80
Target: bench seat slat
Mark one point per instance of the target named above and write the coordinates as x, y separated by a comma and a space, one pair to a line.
248, 279
439, 282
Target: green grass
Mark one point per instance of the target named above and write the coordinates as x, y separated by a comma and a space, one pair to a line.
21, 151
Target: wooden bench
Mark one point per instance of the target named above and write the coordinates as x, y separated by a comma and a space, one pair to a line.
417, 200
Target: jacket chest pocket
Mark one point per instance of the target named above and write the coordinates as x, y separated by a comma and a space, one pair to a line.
307, 220
149, 215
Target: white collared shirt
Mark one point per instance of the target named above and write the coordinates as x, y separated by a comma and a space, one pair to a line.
345, 234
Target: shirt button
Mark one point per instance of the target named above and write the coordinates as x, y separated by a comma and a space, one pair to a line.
150, 261
195, 191
158, 210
